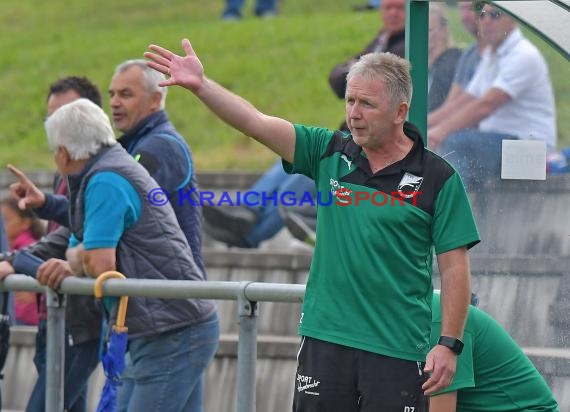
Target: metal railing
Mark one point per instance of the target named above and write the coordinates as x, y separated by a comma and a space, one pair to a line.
247, 294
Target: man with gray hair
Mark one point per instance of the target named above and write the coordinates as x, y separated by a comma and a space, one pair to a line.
114, 228
366, 316
83, 317
137, 104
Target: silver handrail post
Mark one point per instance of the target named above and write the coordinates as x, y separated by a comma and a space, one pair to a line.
247, 352
55, 349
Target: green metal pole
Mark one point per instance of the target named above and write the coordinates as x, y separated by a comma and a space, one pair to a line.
417, 22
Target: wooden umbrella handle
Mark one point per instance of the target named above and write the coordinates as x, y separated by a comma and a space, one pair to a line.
123, 302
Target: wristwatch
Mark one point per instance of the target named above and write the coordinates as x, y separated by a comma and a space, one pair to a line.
454, 344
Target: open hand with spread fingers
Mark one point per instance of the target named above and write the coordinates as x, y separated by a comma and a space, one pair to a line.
186, 71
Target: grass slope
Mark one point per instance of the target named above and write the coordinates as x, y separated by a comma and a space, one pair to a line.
280, 64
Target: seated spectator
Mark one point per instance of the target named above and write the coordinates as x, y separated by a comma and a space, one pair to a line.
493, 373
248, 226
390, 38
442, 57
509, 97
22, 229
466, 66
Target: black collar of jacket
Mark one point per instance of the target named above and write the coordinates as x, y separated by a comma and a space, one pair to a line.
396, 37
412, 162
130, 138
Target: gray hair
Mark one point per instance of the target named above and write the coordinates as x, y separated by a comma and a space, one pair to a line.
394, 70
81, 127
150, 76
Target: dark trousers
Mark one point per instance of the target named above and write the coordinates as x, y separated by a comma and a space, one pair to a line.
333, 378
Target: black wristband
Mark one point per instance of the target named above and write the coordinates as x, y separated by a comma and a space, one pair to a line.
454, 344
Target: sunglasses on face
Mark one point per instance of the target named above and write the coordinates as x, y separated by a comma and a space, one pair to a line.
494, 14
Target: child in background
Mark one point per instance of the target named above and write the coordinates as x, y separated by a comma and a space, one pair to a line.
22, 229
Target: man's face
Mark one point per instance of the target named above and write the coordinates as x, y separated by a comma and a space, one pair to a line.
56, 100
130, 101
393, 15
495, 26
370, 114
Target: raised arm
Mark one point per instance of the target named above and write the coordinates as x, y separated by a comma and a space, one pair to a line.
187, 71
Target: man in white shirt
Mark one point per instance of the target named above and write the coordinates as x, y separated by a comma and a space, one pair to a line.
509, 97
